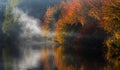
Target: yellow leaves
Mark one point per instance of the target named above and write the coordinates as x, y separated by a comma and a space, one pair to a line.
60, 23
59, 37
117, 35
113, 47
108, 46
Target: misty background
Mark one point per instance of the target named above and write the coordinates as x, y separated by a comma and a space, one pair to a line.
25, 34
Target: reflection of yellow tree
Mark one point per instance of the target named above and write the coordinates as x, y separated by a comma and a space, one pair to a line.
59, 60
44, 59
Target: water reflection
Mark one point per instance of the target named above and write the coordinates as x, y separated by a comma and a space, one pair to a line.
88, 60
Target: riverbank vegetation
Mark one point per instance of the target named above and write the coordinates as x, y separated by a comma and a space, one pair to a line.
85, 30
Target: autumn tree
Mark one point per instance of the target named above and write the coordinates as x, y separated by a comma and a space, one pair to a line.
79, 31
108, 15
112, 26
82, 26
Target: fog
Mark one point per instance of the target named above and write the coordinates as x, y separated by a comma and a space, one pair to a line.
25, 41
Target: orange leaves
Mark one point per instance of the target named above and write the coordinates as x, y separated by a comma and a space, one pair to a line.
72, 11
73, 7
49, 15
70, 15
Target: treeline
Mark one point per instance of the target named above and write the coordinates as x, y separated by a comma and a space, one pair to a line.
9, 36
85, 30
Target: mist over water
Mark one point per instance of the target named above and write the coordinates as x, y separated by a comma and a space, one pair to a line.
31, 40
30, 25
28, 32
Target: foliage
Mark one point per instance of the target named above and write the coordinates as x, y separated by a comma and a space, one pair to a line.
78, 31
9, 19
112, 25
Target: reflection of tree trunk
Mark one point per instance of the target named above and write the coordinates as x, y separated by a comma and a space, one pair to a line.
7, 60
47, 61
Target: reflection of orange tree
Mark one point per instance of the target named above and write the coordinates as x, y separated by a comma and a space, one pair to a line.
44, 59
59, 60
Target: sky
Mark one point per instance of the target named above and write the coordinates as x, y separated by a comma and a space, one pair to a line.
37, 8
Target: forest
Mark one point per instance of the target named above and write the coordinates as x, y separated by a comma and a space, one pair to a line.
85, 30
